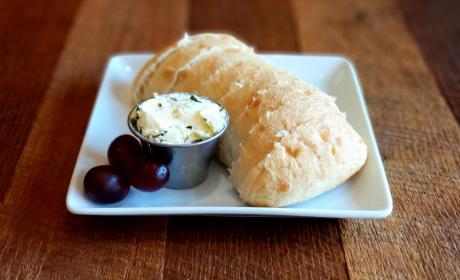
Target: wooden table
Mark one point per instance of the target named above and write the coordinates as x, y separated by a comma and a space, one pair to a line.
52, 54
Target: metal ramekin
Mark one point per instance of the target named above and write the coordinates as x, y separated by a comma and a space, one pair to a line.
188, 163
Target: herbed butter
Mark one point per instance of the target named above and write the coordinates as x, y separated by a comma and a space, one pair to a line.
179, 118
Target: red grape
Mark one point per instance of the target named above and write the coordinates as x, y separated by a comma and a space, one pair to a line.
104, 184
150, 176
124, 153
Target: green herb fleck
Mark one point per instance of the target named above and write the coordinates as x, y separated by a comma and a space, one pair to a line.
138, 111
197, 140
173, 98
161, 133
160, 105
189, 127
194, 98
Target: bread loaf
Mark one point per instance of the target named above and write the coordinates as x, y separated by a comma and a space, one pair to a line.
287, 141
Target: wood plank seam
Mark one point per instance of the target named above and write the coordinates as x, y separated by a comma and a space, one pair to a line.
258, 248
402, 94
28, 73
435, 26
74, 81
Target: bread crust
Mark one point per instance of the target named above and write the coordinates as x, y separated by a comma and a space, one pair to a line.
287, 141
159, 75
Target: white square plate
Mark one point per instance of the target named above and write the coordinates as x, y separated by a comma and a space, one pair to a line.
365, 195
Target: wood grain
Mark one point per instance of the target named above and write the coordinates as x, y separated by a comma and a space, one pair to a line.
53, 55
253, 248
38, 236
436, 27
28, 54
417, 134
266, 24
205, 248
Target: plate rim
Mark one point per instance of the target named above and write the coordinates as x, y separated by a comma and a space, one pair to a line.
243, 210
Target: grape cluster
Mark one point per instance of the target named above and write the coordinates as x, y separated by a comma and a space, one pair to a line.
128, 167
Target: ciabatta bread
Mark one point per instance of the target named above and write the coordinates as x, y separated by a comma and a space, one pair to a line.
287, 141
